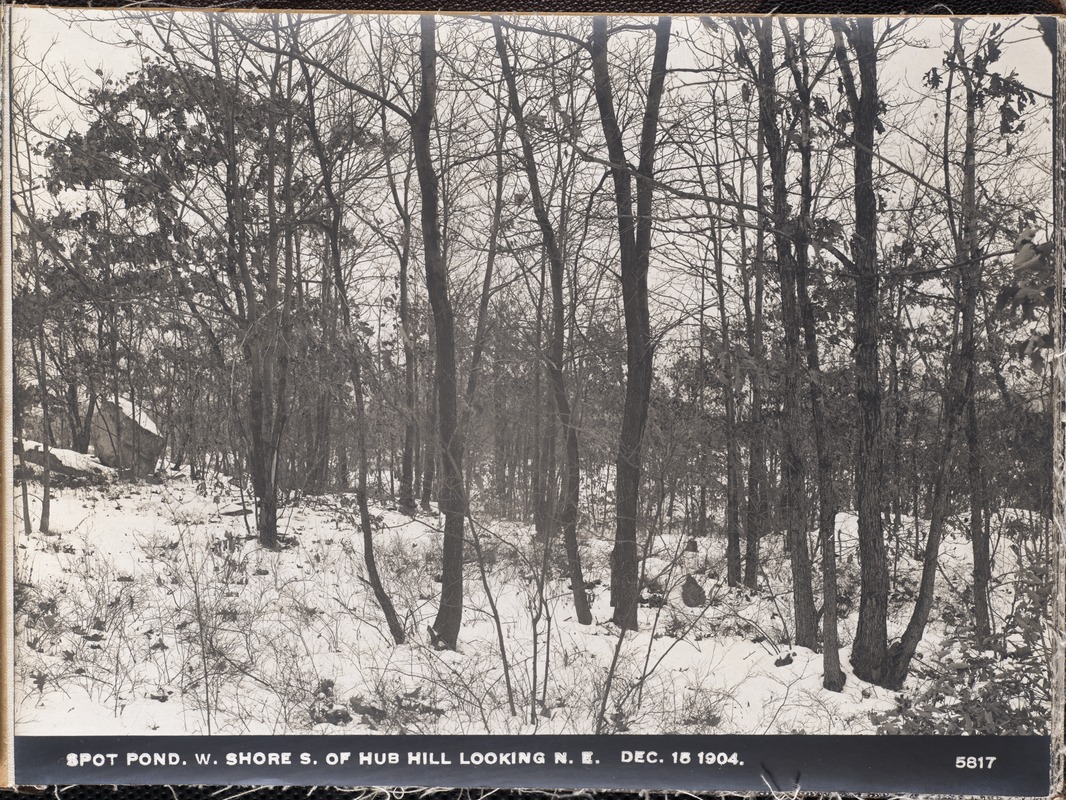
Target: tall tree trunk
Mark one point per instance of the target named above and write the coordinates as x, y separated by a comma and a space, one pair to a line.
85, 432
429, 451
793, 477
833, 677
320, 439
409, 473
271, 318
982, 568
755, 512
263, 458
969, 256
502, 492
406, 498
315, 441
571, 481
481, 328
445, 628
729, 368
543, 430
895, 393
634, 233
79, 423
261, 417
869, 650
899, 655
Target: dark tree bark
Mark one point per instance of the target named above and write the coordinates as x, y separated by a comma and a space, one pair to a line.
900, 654
543, 444
571, 480
792, 466
634, 234
429, 450
406, 498
755, 511
445, 628
968, 254
869, 650
833, 677
982, 567
322, 414
898, 415
396, 629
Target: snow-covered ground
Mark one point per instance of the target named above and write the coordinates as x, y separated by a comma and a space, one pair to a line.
150, 608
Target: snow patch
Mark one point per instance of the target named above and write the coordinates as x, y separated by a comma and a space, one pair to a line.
138, 415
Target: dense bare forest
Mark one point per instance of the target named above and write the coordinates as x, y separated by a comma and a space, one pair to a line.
531, 374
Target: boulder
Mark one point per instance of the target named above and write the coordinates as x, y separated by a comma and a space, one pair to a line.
692, 594
125, 437
64, 462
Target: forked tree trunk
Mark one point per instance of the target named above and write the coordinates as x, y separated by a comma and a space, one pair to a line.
257, 317
899, 655
792, 466
634, 233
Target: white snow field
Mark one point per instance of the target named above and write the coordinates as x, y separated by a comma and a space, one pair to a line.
151, 609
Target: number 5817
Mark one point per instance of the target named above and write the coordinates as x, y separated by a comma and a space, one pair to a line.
974, 762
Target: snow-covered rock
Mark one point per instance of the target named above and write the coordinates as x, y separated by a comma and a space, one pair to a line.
125, 437
65, 462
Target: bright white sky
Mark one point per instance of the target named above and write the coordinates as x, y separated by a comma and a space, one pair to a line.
89, 39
